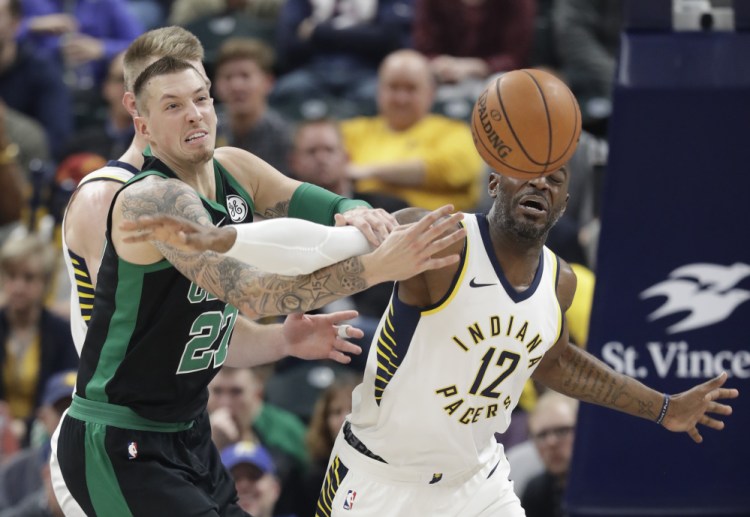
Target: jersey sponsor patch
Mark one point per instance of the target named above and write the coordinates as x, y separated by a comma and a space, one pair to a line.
237, 208
349, 501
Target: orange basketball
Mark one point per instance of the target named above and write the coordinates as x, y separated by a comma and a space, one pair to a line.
526, 123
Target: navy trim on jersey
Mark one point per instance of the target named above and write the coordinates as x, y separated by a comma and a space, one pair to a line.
123, 165
516, 296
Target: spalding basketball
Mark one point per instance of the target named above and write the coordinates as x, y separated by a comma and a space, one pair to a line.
526, 124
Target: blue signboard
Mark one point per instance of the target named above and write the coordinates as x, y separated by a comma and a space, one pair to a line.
672, 301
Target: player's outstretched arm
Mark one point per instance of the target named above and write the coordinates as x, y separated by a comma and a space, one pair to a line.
572, 371
406, 252
283, 246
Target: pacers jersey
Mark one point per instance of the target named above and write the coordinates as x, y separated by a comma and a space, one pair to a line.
155, 340
441, 380
81, 287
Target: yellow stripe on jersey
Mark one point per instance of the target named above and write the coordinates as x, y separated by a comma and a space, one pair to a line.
555, 272
84, 284
448, 299
335, 475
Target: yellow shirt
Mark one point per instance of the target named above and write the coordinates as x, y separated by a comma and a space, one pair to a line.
453, 166
21, 375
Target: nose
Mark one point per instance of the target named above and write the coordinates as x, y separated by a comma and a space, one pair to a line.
539, 182
194, 113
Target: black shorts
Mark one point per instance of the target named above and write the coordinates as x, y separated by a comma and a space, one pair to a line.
113, 472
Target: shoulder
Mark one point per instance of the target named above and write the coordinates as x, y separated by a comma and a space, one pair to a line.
566, 285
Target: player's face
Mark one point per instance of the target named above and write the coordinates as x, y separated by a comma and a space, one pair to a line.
528, 208
319, 156
242, 86
180, 123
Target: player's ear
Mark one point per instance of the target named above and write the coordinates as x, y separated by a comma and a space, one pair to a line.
141, 126
492, 185
128, 100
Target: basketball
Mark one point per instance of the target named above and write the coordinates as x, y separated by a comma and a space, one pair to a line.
526, 124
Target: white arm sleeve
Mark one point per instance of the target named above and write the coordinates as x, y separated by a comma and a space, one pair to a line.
289, 246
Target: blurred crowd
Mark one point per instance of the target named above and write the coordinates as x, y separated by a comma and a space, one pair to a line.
370, 99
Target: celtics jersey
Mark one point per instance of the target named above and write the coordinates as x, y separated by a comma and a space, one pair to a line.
441, 380
155, 339
81, 286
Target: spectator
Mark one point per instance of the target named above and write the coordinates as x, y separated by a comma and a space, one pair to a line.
427, 160
35, 343
11, 180
552, 424
41, 503
184, 12
587, 34
19, 478
84, 35
242, 80
330, 51
328, 416
467, 41
31, 83
254, 475
237, 393
114, 138
318, 157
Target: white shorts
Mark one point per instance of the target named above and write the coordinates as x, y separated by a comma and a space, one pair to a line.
358, 486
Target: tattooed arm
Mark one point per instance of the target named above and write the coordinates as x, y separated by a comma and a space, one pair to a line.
406, 252
572, 371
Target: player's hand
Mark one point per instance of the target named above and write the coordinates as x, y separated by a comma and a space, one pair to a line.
690, 408
375, 223
410, 249
179, 233
317, 336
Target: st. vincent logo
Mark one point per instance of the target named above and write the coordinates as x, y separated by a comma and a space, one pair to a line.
237, 208
705, 293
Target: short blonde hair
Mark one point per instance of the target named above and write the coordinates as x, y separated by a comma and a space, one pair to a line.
246, 49
19, 250
170, 41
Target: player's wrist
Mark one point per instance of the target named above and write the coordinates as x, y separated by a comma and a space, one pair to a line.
663, 410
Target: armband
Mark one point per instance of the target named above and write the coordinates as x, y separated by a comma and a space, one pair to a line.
316, 204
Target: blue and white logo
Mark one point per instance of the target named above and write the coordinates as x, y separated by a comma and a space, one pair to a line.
707, 293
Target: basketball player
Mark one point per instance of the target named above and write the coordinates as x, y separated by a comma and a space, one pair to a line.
450, 359
136, 440
85, 217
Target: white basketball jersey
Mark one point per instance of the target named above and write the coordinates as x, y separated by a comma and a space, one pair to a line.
441, 380
82, 289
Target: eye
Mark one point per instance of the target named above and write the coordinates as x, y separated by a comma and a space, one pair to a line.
170, 106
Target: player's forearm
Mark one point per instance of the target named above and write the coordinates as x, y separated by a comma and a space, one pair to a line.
580, 375
253, 344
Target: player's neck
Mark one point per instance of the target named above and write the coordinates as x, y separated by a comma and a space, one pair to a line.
200, 176
519, 258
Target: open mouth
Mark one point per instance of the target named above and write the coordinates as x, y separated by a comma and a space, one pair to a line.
196, 137
533, 204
